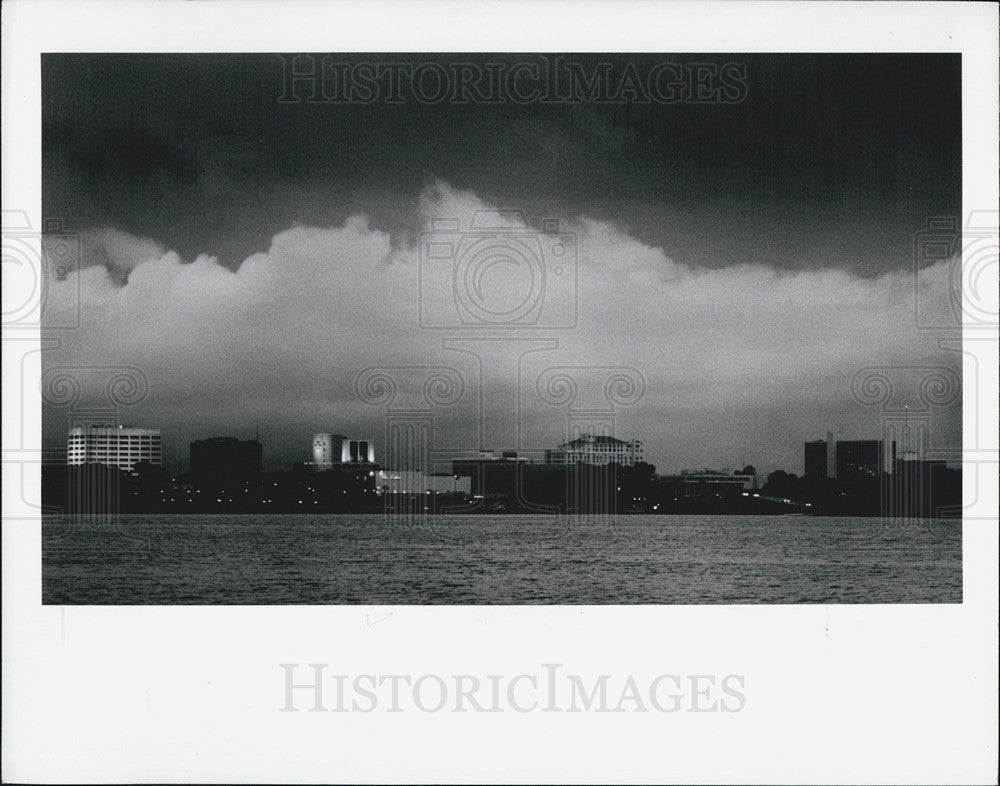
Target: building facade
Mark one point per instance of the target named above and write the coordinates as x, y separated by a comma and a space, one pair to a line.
598, 450
390, 481
113, 446
330, 449
704, 484
224, 458
816, 459
864, 458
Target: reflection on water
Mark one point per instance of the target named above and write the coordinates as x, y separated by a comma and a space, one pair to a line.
368, 559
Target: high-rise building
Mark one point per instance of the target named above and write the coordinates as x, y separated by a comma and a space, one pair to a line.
226, 458
330, 449
816, 459
864, 458
357, 451
591, 449
113, 446
322, 448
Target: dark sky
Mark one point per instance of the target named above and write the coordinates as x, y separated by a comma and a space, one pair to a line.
828, 164
197, 153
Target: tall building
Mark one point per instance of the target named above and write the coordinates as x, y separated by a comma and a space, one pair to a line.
816, 459
224, 458
113, 446
864, 458
330, 449
591, 449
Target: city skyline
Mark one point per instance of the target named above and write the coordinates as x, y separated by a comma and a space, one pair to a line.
247, 254
79, 451
110, 472
756, 243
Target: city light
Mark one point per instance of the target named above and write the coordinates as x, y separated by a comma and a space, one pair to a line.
589, 474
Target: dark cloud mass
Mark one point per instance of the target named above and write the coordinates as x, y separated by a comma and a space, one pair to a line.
198, 153
252, 255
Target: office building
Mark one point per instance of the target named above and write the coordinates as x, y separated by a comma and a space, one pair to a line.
598, 450
331, 449
113, 446
816, 459
225, 458
864, 458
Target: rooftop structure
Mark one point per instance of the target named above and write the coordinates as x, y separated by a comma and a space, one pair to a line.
596, 449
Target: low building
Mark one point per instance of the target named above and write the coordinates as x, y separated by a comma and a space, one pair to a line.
699, 483
490, 475
388, 481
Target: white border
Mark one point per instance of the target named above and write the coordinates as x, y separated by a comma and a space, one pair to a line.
835, 694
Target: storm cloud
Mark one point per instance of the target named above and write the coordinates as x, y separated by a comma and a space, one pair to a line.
738, 364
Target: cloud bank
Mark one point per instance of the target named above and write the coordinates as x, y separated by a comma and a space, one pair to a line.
740, 364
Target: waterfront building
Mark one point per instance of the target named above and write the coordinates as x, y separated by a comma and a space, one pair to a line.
113, 446
331, 449
707, 481
816, 454
597, 450
390, 481
864, 458
224, 458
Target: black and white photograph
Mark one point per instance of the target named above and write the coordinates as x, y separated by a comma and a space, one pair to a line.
448, 328
502, 328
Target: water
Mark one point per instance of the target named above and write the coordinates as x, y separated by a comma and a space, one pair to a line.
367, 559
